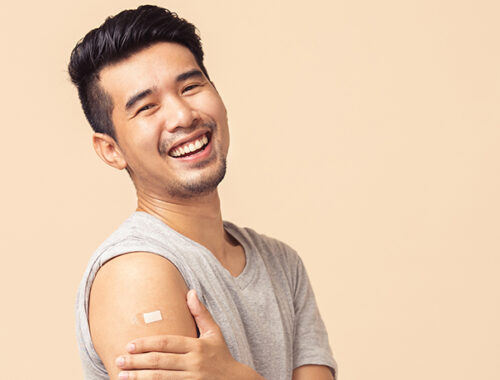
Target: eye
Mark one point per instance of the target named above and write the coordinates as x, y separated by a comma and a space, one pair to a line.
145, 108
190, 87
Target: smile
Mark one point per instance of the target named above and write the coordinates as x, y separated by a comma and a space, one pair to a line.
190, 147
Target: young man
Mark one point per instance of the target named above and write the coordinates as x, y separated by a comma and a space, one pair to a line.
147, 95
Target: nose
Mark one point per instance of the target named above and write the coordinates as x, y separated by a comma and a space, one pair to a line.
179, 114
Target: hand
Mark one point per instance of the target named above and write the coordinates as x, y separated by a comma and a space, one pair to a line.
177, 357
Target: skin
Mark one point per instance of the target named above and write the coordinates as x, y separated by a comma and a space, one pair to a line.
182, 194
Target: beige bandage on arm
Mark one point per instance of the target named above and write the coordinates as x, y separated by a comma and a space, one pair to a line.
147, 318
151, 317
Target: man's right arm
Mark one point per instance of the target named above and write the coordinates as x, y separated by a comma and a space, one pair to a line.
137, 283
124, 289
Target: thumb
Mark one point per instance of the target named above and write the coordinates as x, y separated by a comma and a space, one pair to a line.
201, 315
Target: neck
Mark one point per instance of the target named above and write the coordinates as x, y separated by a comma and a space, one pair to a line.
198, 218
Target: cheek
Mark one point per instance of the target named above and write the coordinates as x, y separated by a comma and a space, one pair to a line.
214, 107
210, 103
147, 132
141, 140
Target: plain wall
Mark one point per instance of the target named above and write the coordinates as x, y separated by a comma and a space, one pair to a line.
364, 133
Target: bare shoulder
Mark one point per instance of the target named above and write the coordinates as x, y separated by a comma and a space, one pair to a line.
126, 288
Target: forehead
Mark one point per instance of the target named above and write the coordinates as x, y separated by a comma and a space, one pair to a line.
156, 65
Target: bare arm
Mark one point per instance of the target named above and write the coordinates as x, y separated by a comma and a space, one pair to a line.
316, 372
138, 283
124, 289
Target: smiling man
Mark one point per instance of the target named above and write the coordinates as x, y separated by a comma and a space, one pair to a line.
147, 95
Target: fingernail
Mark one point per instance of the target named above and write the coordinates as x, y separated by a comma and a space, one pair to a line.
130, 347
123, 376
120, 361
194, 295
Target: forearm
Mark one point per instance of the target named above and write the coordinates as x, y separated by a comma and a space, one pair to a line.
317, 372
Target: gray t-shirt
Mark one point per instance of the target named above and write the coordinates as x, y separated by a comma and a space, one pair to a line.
268, 314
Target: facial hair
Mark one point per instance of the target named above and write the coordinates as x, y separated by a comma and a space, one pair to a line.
203, 184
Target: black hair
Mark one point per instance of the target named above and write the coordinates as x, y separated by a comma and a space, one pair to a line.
116, 39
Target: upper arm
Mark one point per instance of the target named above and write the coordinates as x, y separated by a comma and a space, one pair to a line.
317, 372
125, 288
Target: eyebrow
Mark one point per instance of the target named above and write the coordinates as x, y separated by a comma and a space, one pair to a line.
135, 98
142, 94
189, 74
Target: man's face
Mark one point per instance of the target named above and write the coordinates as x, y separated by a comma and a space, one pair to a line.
170, 122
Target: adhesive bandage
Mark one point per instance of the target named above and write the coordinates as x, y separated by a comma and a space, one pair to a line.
153, 316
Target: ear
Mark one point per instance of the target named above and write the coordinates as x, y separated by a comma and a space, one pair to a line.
106, 147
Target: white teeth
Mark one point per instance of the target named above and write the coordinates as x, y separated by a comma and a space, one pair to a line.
191, 147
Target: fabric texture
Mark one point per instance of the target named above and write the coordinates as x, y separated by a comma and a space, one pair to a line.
268, 314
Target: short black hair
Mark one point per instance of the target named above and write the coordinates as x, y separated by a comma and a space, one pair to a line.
119, 37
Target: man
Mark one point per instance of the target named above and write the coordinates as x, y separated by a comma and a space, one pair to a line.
146, 93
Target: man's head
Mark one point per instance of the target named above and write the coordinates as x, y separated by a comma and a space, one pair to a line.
147, 95
117, 38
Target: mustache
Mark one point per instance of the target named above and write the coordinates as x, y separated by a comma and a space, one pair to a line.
166, 144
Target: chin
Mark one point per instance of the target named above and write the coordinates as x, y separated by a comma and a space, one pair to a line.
203, 185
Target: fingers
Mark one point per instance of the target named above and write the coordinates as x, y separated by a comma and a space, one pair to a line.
175, 344
153, 375
201, 315
152, 360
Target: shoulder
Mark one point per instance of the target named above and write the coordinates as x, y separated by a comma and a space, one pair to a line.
139, 228
132, 282
124, 289
140, 232
135, 270
139, 268
136, 259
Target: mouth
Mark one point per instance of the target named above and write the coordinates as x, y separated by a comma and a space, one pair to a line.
191, 147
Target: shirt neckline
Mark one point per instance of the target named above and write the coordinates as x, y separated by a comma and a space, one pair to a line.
244, 278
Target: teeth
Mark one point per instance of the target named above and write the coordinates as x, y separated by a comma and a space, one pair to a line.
191, 147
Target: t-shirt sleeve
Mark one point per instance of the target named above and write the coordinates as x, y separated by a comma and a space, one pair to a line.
310, 344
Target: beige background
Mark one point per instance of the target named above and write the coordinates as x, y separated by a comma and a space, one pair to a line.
364, 133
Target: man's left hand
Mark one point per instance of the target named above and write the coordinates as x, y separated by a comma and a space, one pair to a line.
177, 357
